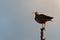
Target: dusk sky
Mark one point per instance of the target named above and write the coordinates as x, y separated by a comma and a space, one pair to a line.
17, 21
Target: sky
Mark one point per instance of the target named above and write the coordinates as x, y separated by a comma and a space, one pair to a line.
17, 21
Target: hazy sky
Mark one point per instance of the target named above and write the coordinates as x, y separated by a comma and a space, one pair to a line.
17, 21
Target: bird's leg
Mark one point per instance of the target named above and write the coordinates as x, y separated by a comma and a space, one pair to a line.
42, 25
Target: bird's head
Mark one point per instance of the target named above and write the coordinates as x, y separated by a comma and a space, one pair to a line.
36, 13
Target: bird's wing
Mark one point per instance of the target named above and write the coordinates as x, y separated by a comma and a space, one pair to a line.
45, 16
42, 16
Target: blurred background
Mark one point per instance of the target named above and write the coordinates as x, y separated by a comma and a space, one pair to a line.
17, 21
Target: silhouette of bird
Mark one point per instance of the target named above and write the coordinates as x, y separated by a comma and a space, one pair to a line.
41, 18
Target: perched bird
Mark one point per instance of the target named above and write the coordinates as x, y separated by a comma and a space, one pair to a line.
41, 18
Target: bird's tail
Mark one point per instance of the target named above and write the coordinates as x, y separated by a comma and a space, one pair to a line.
51, 19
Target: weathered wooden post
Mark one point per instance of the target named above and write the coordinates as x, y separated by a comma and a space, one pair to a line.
42, 33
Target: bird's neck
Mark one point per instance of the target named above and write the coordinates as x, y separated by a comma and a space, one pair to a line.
36, 14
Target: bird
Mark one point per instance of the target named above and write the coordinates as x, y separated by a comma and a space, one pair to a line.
42, 18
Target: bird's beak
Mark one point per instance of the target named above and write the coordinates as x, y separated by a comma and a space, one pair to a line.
52, 20
33, 12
